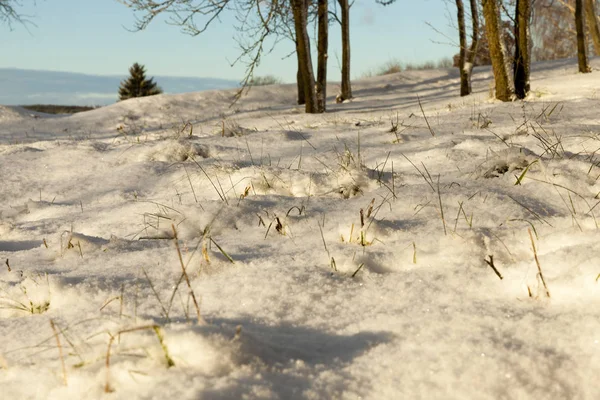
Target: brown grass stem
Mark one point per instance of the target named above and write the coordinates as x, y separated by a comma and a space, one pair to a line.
490, 262
160, 337
537, 261
424, 116
187, 279
60, 352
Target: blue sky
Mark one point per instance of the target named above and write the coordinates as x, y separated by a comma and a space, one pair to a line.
91, 36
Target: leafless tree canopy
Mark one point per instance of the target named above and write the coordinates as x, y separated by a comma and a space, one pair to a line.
553, 29
193, 16
10, 15
256, 22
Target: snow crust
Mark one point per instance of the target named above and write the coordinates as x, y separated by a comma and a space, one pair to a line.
359, 241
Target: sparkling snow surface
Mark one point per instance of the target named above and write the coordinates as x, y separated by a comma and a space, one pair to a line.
316, 304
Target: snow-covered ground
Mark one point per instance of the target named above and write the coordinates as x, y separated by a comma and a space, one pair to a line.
340, 255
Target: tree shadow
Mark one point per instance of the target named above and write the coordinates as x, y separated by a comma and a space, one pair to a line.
279, 347
19, 245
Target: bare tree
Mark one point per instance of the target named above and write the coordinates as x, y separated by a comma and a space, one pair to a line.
300, 11
346, 92
522, 58
502, 77
282, 26
300, 83
467, 56
581, 45
194, 17
278, 23
465, 85
312, 93
592, 23
10, 15
255, 24
474, 37
554, 33
183, 13
322, 46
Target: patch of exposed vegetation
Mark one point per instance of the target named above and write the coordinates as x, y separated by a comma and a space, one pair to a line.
57, 109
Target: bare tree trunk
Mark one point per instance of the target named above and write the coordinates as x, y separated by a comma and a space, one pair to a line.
322, 44
592, 20
504, 84
474, 39
300, 84
581, 46
300, 11
465, 87
467, 56
522, 55
346, 87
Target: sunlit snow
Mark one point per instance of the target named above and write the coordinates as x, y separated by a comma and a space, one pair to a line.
337, 256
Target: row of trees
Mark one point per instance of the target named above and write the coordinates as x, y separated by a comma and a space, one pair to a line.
500, 25
514, 81
269, 21
262, 22
535, 29
554, 28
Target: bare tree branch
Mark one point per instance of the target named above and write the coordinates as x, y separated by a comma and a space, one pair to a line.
10, 15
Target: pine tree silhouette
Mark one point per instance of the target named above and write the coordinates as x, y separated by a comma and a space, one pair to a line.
137, 85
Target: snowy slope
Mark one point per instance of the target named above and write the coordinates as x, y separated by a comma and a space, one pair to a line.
332, 256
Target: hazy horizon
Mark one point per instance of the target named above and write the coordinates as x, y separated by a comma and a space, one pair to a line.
28, 86
97, 38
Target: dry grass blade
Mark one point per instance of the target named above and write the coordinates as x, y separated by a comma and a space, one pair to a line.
227, 256
537, 261
200, 320
498, 136
429, 182
536, 215
522, 176
424, 116
414, 252
329, 257
160, 337
60, 352
190, 182
107, 302
490, 262
441, 206
222, 196
164, 310
358, 269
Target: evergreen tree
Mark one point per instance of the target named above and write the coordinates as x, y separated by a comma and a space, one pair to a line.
137, 85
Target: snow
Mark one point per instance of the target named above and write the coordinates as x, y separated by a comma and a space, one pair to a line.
316, 303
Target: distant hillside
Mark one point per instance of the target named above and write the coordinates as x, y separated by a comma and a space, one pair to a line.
21, 87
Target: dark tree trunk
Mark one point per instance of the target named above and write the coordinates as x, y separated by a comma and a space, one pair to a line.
322, 44
465, 86
581, 46
592, 20
300, 11
502, 77
467, 56
472, 53
522, 55
300, 84
346, 87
